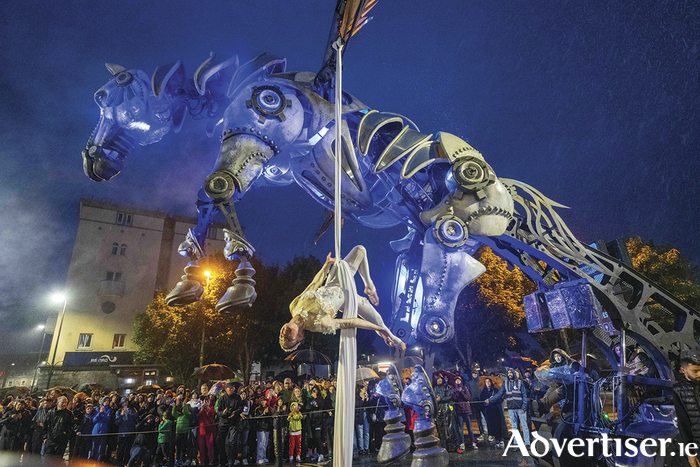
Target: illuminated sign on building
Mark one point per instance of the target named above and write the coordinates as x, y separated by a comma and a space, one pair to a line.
97, 359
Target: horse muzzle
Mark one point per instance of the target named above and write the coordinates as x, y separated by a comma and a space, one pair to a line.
105, 160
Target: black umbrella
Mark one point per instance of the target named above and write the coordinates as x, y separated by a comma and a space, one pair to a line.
313, 357
213, 372
148, 389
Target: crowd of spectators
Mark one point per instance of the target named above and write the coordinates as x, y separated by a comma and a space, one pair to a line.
253, 424
191, 427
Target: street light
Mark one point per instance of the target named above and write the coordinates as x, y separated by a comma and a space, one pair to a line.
57, 298
204, 327
40, 327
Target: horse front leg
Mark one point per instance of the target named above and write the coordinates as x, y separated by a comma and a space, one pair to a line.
190, 289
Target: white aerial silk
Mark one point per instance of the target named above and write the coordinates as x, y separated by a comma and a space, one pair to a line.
347, 359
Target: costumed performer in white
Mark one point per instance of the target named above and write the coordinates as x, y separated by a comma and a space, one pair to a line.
316, 308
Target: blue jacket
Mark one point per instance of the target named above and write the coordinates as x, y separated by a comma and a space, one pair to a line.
126, 422
101, 421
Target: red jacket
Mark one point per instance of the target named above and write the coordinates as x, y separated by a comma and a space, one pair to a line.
205, 420
411, 417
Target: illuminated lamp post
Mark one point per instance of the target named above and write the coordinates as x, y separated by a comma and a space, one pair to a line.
57, 298
40, 327
204, 326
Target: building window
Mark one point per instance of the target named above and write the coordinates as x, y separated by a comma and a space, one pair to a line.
124, 219
149, 373
149, 382
115, 248
122, 249
211, 232
119, 341
114, 276
85, 341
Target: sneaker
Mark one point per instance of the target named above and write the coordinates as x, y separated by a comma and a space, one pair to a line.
245, 461
320, 458
491, 439
460, 451
236, 462
291, 459
261, 462
480, 438
474, 446
298, 459
265, 461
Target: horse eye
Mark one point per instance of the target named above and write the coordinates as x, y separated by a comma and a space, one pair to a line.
101, 97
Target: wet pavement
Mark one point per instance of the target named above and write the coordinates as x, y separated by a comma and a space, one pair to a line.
483, 457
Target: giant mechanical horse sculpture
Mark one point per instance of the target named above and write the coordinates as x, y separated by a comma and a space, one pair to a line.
277, 127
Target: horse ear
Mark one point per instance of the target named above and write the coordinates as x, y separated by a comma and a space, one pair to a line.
168, 78
262, 66
212, 73
114, 68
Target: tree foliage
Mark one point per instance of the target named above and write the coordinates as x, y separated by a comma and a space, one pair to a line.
668, 268
490, 310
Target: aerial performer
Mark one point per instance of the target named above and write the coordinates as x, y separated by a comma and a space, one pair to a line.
316, 307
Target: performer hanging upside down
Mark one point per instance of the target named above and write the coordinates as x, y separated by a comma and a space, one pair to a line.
315, 309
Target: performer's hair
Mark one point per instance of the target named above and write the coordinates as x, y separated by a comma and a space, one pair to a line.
283, 344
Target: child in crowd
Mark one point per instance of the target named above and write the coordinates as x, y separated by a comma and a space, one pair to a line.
164, 437
294, 419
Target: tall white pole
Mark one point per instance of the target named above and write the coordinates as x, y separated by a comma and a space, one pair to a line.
347, 355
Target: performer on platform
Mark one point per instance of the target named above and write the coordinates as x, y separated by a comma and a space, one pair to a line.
315, 309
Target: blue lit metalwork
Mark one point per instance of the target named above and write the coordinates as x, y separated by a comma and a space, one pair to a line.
277, 127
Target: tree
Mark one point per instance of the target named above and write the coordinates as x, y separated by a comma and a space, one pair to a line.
672, 271
171, 336
490, 310
668, 268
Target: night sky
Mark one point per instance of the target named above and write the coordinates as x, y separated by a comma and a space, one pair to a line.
593, 102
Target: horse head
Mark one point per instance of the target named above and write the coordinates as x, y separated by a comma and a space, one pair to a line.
130, 114
419, 394
390, 388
